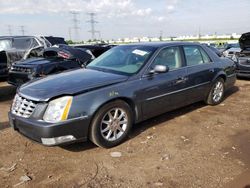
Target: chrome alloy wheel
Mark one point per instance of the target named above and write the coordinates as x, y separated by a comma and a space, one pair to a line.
114, 124
218, 91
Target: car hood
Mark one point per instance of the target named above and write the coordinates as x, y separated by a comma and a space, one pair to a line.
36, 61
244, 41
68, 83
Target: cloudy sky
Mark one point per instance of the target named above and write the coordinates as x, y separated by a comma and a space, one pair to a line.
125, 18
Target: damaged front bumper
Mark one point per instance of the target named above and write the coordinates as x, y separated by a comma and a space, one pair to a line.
70, 131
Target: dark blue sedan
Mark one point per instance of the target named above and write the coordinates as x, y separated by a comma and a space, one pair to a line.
126, 85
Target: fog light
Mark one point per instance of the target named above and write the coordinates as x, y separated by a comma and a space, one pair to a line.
57, 140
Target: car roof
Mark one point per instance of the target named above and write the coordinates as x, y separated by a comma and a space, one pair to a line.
160, 44
11, 37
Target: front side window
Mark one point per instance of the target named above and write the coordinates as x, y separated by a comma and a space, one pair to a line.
170, 57
123, 59
195, 55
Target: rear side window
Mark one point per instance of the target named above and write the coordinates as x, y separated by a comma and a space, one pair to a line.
170, 57
205, 57
195, 55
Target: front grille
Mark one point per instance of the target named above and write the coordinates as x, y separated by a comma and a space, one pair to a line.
23, 107
21, 69
244, 61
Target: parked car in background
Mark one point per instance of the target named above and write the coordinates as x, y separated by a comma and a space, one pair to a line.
97, 49
3, 64
125, 85
15, 48
228, 46
54, 60
215, 50
242, 58
231, 52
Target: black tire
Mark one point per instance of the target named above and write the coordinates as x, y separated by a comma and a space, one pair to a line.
211, 96
95, 133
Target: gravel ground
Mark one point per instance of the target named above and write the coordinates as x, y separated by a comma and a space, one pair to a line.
196, 146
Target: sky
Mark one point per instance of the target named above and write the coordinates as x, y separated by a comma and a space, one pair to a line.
124, 18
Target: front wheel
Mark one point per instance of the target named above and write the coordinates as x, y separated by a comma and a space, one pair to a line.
111, 124
216, 93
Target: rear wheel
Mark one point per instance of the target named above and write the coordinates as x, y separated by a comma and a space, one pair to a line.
216, 93
111, 124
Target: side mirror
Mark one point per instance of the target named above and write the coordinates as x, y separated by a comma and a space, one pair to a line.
159, 69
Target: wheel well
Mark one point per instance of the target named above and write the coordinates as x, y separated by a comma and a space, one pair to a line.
124, 99
223, 77
127, 100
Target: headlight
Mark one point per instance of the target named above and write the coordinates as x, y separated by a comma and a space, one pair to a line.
58, 110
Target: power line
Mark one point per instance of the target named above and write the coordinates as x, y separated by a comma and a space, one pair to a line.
75, 24
92, 22
9, 27
22, 30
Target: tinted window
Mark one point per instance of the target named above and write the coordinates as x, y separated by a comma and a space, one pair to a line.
170, 57
193, 55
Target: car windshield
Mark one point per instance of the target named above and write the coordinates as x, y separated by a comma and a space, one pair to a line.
123, 59
24, 43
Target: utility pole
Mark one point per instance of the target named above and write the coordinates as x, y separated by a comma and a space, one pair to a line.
75, 24
199, 34
9, 29
161, 33
92, 22
22, 29
70, 37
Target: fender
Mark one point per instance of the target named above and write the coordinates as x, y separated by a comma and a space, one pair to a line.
220, 74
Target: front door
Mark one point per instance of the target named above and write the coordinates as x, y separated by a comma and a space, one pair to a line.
164, 91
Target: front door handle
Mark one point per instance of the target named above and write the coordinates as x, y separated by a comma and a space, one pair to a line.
181, 80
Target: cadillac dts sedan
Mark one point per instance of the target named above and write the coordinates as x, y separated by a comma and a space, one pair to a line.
126, 85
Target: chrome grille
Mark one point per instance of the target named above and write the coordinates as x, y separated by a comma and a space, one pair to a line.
22, 107
21, 69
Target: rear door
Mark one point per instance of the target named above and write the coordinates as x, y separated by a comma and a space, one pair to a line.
200, 72
165, 91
